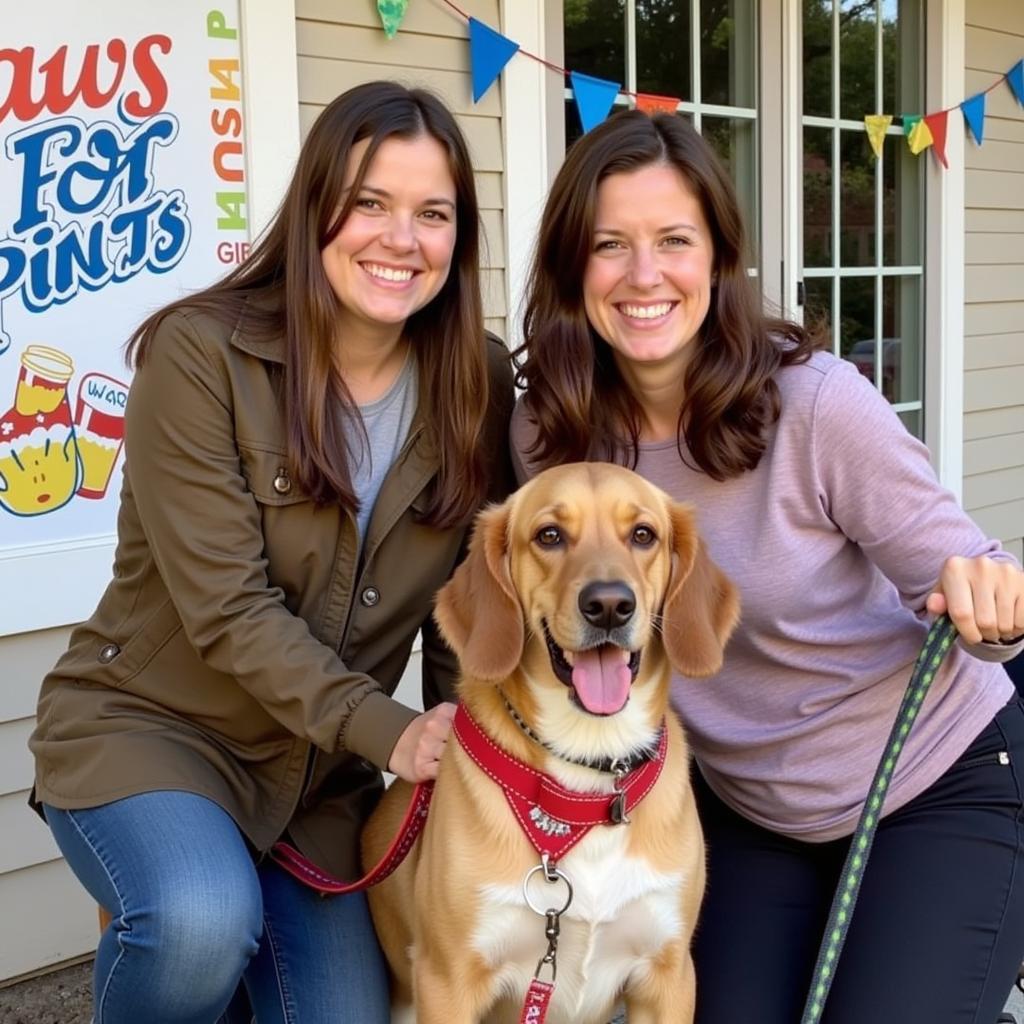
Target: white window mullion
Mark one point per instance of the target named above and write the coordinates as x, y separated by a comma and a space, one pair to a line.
631, 45
879, 202
695, 86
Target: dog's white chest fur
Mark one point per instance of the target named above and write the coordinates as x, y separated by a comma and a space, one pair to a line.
622, 913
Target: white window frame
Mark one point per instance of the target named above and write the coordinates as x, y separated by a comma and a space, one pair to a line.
943, 211
270, 100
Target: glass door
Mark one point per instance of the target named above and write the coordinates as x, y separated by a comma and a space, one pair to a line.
862, 248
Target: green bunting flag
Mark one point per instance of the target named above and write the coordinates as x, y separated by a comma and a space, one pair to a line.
391, 14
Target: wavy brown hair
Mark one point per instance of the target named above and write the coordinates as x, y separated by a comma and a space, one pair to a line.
574, 391
281, 290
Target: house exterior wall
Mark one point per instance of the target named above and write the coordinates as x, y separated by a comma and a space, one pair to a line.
994, 279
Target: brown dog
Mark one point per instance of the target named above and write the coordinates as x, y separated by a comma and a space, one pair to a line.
577, 596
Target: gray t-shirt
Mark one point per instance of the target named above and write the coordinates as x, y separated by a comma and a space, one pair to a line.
386, 422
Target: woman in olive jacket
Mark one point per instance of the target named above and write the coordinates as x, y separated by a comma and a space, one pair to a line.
306, 442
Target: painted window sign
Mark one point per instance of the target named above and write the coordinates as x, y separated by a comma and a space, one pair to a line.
122, 186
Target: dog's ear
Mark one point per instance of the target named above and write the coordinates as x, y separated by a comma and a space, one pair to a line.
702, 605
477, 609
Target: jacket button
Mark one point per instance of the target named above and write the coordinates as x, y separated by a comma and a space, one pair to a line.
108, 652
281, 482
370, 596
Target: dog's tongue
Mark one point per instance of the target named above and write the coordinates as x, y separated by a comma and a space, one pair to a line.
601, 679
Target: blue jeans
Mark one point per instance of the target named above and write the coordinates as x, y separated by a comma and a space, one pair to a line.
193, 914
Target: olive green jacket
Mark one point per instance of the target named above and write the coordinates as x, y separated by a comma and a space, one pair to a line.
245, 650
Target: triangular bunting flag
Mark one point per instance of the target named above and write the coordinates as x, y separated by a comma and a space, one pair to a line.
489, 52
391, 14
1015, 76
974, 114
937, 127
650, 103
920, 136
877, 125
909, 122
594, 98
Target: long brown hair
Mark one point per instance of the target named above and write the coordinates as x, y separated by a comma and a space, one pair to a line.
574, 391
281, 290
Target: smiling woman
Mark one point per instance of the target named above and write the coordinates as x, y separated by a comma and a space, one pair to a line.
307, 442
646, 345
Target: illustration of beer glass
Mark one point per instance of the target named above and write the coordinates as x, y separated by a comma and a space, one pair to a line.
99, 422
40, 468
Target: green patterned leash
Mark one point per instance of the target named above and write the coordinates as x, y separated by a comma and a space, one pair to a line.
936, 645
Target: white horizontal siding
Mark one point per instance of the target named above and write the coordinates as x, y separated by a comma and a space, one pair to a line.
46, 916
994, 279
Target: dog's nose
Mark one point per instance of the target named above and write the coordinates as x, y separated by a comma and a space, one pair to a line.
607, 604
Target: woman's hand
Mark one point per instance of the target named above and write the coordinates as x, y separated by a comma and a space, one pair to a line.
421, 745
984, 598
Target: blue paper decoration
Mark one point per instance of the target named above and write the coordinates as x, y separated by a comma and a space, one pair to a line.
1015, 76
594, 98
489, 52
974, 114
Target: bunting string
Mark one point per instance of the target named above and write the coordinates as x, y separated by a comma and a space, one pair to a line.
490, 51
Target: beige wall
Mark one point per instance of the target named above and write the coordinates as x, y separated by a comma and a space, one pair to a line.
994, 258
45, 915
341, 45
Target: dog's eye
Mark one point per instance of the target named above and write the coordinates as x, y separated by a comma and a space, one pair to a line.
644, 536
549, 536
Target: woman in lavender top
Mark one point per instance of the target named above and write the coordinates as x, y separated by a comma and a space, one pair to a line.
646, 344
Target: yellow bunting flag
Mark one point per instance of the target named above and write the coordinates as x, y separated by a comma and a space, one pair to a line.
877, 125
920, 137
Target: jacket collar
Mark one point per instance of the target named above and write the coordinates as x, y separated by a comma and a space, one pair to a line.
271, 349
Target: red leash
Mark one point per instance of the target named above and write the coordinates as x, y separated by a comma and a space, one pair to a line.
302, 868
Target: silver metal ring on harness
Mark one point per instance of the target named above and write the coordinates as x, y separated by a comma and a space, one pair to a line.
551, 876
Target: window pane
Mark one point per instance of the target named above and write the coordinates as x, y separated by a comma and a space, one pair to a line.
817, 197
858, 47
663, 47
595, 38
903, 191
901, 339
735, 141
912, 420
818, 317
857, 323
818, 58
857, 200
728, 52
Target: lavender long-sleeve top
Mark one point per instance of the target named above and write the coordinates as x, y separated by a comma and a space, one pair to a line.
835, 541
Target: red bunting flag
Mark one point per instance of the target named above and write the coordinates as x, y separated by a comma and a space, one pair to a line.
937, 126
651, 103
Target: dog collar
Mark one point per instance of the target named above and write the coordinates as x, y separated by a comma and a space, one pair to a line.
610, 765
553, 817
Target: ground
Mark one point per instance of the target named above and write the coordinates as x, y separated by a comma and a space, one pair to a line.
64, 997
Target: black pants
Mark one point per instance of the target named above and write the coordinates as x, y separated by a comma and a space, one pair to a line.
938, 931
